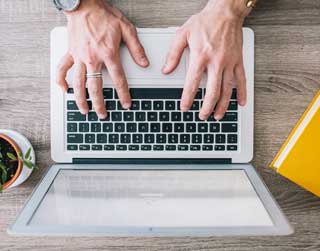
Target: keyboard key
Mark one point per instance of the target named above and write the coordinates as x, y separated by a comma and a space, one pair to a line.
208, 138
220, 138
173, 139
234, 93
143, 127
233, 106
131, 127
230, 116
140, 116
197, 138
119, 106
121, 148
158, 148
84, 147
232, 148
207, 147
119, 127
107, 127
74, 138
229, 127
137, 138
170, 105
191, 127
154, 127
152, 116
211, 118
184, 138
83, 127
111, 105
125, 138
96, 148
135, 105
95, 127
214, 127
70, 91
133, 147
187, 116
166, 127
113, 138
176, 116
116, 116
128, 116
72, 147
72, 127
89, 105
75, 116
157, 105
164, 116
155, 93
171, 147
161, 139
90, 138
203, 127
107, 93
178, 127
71, 105
101, 138
196, 116
108, 147
195, 105
183, 147
195, 148
232, 138
219, 147
146, 105
92, 116
146, 148
149, 138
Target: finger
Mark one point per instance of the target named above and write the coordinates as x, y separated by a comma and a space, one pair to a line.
95, 92
226, 92
130, 37
193, 78
118, 77
65, 64
212, 91
175, 52
79, 86
240, 77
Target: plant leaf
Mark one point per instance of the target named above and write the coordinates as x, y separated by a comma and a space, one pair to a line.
28, 164
11, 156
0, 188
1, 155
4, 174
27, 155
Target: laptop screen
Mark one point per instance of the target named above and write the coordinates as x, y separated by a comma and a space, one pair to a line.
151, 198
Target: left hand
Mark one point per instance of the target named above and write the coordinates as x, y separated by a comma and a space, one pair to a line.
214, 37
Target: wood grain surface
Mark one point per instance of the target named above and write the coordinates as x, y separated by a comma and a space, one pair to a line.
287, 75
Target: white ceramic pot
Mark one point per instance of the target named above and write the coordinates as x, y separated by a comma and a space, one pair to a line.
24, 144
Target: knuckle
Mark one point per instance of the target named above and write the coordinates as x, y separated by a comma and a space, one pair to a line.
131, 29
94, 90
99, 108
110, 53
81, 103
77, 84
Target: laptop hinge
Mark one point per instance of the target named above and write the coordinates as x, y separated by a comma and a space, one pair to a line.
150, 161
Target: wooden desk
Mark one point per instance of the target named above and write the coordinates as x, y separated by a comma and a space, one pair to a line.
287, 75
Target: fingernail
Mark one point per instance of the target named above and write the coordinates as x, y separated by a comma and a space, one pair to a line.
165, 68
217, 116
102, 116
144, 61
83, 111
126, 105
202, 117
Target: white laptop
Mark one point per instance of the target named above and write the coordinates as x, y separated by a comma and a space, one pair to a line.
151, 170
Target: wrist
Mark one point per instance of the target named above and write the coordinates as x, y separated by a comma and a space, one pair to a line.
233, 9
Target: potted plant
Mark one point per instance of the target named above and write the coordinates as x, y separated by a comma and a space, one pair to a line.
12, 162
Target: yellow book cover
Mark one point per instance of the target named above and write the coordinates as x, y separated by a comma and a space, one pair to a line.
299, 157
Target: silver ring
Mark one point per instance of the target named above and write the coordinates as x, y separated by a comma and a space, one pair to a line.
94, 75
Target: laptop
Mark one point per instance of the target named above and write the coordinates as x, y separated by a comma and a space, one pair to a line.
151, 170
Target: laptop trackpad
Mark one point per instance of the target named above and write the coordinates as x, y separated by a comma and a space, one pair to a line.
156, 46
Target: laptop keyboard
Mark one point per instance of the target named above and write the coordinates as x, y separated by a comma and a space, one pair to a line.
154, 123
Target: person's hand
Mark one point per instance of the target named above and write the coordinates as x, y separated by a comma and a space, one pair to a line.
214, 37
95, 32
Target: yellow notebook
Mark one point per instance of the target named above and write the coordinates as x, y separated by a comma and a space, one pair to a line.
299, 156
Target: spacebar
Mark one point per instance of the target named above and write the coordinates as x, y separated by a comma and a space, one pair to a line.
156, 93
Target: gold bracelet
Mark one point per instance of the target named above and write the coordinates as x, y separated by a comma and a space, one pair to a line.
251, 3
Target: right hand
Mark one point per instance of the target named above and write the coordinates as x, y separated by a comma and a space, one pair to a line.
95, 32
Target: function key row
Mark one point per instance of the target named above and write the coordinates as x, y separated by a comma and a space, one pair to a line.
151, 93
152, 147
